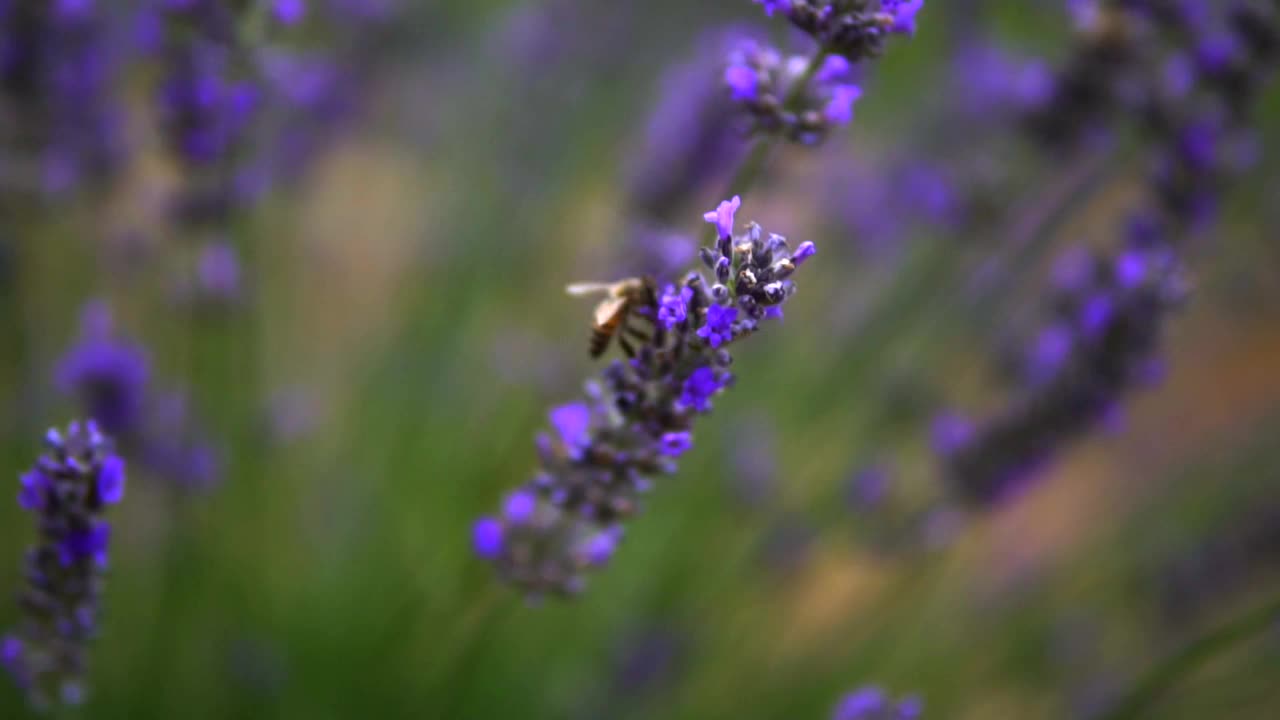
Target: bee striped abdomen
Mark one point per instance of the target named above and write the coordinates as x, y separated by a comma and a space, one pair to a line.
600, 338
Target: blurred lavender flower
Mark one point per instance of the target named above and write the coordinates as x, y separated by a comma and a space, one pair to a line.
218, 273
1100, 345
108, 375
873, 703
995, 81
868, 488
242, 117
207, 104
68, 491
761, 80
1107, 314
685, 143
637, 417
172, 445
60, 63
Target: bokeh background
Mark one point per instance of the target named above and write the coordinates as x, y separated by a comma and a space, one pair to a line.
398, 331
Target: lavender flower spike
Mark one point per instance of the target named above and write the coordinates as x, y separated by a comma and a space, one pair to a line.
68, 491
638, 416
789, 97
857, 30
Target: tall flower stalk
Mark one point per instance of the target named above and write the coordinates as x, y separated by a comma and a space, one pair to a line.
638, 416
1107, 311
68, 492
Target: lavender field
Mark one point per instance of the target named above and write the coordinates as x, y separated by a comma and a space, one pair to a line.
587, 360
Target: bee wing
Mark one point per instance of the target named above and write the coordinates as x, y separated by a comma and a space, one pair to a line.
608, 309
588, 288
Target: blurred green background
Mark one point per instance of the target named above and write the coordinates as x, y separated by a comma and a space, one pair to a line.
407, 293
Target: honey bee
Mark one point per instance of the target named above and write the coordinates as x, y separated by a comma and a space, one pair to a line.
613, 314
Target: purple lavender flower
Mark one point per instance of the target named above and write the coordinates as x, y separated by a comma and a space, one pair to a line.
60, 64
722, 216
573, 423
764, 83
701, 385
904, 14
288, 12
673, 306
675, 444
951, 433
772, 6
487, 538
68, 491
743, 81
873, 703
1107, 312
218, 272
108, 375
637, 420
854, 30
520, 507
839, 108
868, 488
719, 325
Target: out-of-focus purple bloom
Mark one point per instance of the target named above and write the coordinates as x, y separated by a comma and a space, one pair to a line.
78, 476
111, 480
1049, 352
687, 140
873, 703
107, 374
951, 433
992, 80
839, 109
743, 82
904, 14
834, 68
675, 444
573, 423
218, 272
600, 548
868, 488
1131, 269
486, 537
289, 12
520, 507
60, 66
772, 6
673, 306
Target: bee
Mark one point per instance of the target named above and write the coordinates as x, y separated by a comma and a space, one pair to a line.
613, 314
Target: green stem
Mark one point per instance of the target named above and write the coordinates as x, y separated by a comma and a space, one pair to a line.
1151, 687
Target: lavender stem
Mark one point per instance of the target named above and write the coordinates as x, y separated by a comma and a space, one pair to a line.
1151, 687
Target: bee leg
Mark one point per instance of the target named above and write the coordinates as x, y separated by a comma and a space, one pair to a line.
637, 334
627, 347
